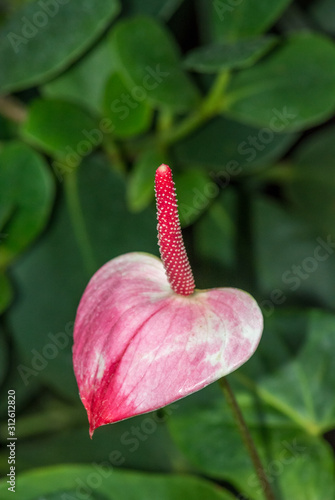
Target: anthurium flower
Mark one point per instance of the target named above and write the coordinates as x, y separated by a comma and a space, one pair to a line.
144, 336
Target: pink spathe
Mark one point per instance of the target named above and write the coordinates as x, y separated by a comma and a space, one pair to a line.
139, 346
144, 336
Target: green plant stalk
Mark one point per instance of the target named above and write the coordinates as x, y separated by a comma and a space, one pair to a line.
164, 120
209, 108
281, 173
310, 427
113, 152
13, 109
214, 101
78, 222
247, 439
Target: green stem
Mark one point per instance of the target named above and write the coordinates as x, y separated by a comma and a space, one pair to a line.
280, 173
164, 120
210, 107
214, 101
281, 406
13, 109
78, 222
113, 152
182, 129
248, 441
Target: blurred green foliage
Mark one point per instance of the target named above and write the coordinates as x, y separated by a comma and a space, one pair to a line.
238, 97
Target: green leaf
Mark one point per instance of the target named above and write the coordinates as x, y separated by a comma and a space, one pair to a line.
229, 148
132, 444
3, 358
156, 8
324, 14
149, 59
204, 429
26, 196
311, 184
23, 394
58, 268
228, 55
293, 369
85, 81
285, 92
195, 192
122, 485
304, 269
42, 39
140, 186
67, 494
127, 109
234, 19
6, 293
63, 129
7, 129
215, 236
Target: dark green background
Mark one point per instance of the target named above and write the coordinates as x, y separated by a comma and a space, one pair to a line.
239, 99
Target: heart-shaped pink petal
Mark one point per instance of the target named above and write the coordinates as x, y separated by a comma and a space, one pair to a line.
139, 346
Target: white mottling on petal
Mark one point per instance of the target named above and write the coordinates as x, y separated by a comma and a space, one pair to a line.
101, 367
138, 346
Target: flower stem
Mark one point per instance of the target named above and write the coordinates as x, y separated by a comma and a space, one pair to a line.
209, 108
247, 439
